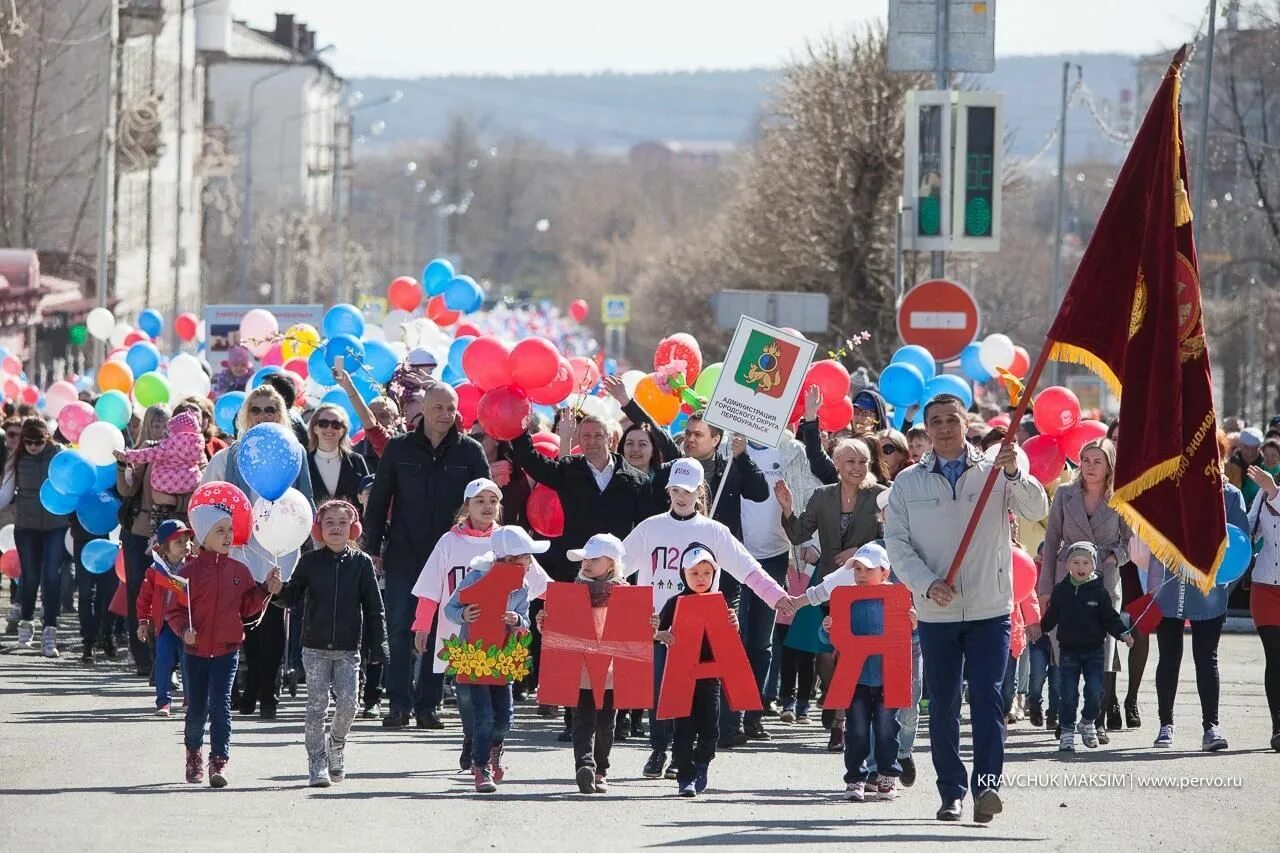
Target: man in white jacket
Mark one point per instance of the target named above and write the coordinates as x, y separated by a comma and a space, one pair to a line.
964, 629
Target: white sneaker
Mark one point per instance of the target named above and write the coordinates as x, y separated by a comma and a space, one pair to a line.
49, 642
1068, 742
26, 632
855, 792
1089, 734
318, 773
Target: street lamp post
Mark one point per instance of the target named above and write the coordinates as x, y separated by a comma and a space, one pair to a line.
339, 219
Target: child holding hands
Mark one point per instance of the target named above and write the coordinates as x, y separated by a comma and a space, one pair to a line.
171, 549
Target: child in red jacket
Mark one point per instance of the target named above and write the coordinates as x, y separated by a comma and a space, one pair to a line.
171, 548
221, 593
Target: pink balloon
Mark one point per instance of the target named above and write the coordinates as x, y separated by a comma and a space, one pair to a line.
533, 363
258, 329
585, 373
682, 346
505, 412
12, 365
273, 356
1080, 435
1046, 458
1057, 410
73, 418
59, 395
1024, 574
486, 362
1001, 421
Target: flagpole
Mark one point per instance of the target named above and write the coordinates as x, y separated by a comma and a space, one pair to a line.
1010, 437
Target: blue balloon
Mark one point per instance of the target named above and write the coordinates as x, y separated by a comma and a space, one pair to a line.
104, 477
338, 397
270, 459
678, 423
261, 374
1236, 561
918, 356
436, 276
318, 368
98, 512
380, 360
463, 294
345, 347
71, 473
99, 556
227, 409
610, 366
142, 357
455, 353
55, 501
902, 384
151, 322
971, 364
366, 387
899, 417
453, 377
343, 319
948, 384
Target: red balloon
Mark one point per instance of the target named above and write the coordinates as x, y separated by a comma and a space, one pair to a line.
830, 376
230, 498
12, 365
405, 293
1024, 574
558, 389
120, 566
1080, 435
1021, 362
439, 313
12, 389
468, 402
534, 363
1046, 458
485, 362
135, 337
1144, 613
1001, 421
578, 309
681, 346
545, 514
1057, 410
9, 564
31, 395
298, 366
547, 443
835, 414
466, 329
585, 373
187, 325
505, 412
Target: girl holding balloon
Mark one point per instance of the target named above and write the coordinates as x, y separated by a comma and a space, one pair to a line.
39, 534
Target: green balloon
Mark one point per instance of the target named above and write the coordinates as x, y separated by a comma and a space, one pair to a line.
114, 408
151, 389
707, 380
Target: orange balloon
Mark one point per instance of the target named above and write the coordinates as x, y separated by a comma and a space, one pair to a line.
115, 376
661, 406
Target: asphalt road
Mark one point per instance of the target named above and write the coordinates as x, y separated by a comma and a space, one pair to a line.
84, 766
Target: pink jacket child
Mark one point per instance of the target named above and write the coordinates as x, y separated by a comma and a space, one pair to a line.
175, 461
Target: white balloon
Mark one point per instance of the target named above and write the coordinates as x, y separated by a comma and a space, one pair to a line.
100, 322
200, 332
401, 351
69, 543
315, 391
631, 379
6, 538
996, 352
374, 333
100, 441
281, 526
1024, 463
187, 377
119, 333
120, 355
114, 535
393, 324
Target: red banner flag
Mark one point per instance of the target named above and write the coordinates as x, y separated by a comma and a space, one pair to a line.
1133, 316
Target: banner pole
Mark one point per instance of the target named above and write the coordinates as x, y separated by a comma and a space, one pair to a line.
728, 436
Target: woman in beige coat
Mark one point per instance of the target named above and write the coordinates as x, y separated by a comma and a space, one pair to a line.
1081, 513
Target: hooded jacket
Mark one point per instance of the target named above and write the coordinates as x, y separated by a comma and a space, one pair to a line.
1083, 615
223, 595
341, 604
174, 463
667, 617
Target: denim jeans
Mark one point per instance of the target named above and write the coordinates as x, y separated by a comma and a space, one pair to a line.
955, 652
1072, 664
755, 623
428, 685
490, 708
660, 731
1043, 670
42, 554
339, 670
95, 593
1010, 685
135, 569
209, 700
168, 655
870, 728
909, 718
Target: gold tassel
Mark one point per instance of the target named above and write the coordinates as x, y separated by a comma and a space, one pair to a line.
1148, 478
1072, 354
1181, 201
1166, 552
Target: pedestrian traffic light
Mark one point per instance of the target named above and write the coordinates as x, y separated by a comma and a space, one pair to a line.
978, 170
927, 183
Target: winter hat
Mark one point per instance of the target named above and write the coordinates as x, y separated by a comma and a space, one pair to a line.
204, 517
1251, 437
238, 356
1083, 548
184, 422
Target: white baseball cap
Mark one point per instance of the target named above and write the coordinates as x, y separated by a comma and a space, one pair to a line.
482, 484
421, 357
872, 556
697, 554
600, 545
512, 541
686, 474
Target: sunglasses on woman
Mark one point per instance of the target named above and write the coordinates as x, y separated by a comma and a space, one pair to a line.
890, 449
325, 423
33, 442
263, 410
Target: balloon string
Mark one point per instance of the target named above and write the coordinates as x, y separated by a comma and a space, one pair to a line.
1133, 626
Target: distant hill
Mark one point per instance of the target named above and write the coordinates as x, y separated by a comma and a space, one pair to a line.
615, 111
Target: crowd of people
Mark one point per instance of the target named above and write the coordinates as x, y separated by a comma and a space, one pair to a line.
420, 509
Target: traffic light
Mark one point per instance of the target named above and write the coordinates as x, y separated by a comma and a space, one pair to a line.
979, 159
927, 170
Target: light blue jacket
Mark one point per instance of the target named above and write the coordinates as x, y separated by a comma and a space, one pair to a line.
1181, 600
517, 602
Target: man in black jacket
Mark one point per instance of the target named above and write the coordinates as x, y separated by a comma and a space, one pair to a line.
419, 485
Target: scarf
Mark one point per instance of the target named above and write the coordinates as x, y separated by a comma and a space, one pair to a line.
600, 588
464, 529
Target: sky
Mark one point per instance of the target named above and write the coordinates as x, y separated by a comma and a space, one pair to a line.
435, 37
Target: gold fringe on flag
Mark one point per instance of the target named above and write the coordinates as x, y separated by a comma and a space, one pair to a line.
1165, 551
1181, 201
1071, 354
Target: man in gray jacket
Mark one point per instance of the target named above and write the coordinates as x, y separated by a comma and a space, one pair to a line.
964, 629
